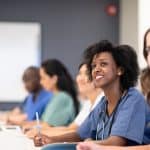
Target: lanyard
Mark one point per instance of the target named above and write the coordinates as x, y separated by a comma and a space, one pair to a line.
101, 115
102, 118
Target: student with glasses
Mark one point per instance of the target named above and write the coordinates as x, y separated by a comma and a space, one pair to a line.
145, 87
146, 46
145, 82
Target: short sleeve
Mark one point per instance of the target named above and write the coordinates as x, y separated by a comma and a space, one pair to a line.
42, 103
85, 130
31, 106
130, 120
60, 111
88, 128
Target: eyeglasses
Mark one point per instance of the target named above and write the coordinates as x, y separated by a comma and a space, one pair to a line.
147, 49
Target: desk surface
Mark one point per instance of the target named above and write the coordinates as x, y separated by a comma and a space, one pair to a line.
12, 138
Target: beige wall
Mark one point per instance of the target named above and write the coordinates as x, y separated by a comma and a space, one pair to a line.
129, 23
132, 25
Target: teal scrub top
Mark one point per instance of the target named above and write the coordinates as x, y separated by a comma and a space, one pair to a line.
60, 110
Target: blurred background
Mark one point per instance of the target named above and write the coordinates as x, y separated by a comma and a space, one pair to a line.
32, 31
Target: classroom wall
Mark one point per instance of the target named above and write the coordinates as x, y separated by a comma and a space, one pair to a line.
68, 26
133, 24
129, 23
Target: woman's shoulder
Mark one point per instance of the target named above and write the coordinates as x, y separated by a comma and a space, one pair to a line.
134, 92
63, 96
133, 96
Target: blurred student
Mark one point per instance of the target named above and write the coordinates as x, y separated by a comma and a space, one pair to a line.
146, 47
145, 87
145, 83
90, 92
64, 106
117, 119
92, 97
89, 97
36, 101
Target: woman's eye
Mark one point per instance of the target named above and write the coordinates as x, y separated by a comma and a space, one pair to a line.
103, 64
93, 66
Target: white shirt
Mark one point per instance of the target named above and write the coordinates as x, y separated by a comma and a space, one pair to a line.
85, 111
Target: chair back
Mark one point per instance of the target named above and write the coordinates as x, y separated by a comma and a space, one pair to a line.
60, 146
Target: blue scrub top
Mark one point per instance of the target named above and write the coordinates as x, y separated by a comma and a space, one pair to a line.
127, 121
30, 107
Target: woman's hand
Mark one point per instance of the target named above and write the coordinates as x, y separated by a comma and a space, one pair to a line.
40, 140
88, 146
31, 133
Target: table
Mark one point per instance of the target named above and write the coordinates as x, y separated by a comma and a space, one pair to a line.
11, 139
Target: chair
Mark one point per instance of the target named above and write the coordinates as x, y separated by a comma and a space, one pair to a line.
60, 146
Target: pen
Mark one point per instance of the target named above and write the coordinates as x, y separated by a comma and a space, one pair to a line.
38, 123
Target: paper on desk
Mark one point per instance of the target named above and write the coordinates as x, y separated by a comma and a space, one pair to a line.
14, 142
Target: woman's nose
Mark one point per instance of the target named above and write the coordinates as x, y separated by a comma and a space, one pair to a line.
97, 68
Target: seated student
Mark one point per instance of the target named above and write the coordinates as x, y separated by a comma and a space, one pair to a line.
64, 106
36, 101
146, 47
92, 94
89, 92
145, 87
119, 118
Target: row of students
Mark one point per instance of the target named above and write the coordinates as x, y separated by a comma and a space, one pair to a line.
110, 122
120, 80
64, 106
89, 92
120, 116
51, 79
85, 87
56, 104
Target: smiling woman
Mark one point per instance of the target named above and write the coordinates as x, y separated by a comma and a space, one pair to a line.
19, 48
110, 123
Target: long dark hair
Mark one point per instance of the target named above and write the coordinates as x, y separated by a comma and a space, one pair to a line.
65, 81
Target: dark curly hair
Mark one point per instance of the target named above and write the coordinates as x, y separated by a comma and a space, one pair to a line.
65, 81
86, 56
124, 57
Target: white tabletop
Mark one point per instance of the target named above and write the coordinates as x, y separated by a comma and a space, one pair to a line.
14, 140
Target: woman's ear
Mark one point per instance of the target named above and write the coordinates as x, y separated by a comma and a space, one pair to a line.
55, 78
120, 71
